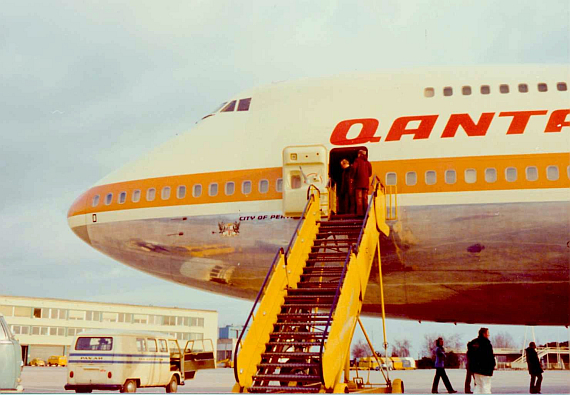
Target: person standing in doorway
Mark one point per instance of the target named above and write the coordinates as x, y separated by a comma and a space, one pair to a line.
362, 172
482, 363
345, 189
534, 368
440, 369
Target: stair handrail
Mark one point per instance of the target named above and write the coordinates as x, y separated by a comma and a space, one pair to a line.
281, 251
375, 185
352, 249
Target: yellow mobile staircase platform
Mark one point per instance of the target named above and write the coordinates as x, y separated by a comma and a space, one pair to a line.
300, 328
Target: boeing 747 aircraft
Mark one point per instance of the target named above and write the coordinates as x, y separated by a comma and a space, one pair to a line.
480, 157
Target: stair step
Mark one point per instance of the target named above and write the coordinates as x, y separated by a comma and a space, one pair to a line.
287, 389
294, 344
292, 365
327, 254
314, 335
336, 222
304, 306
308, 298
308, 315
327, 260
286, 354
327, 269
287, 377
316, 322
312, 291
337, 241
311, 275
315, 284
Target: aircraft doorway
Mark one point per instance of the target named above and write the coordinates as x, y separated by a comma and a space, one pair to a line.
335, 170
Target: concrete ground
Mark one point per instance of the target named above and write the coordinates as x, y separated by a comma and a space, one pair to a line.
52, 380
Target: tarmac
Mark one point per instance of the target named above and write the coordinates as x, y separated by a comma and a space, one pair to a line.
52, 380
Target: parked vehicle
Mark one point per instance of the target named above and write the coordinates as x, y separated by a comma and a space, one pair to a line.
57, 360
10, 359
37, 362
125, 361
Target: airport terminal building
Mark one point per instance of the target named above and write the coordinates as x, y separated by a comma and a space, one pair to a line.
46, 327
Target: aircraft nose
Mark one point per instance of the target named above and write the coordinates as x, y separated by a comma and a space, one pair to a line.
76, 217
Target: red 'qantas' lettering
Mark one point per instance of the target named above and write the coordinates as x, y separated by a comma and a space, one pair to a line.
424, 124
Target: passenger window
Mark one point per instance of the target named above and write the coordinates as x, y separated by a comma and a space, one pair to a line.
552, 173
263, 186
490, 175
108, 199
141, 345
95, 201
447, 91
542, 87
150, 194
122, 197
279, 185
243, 104
568, 171
561, 86
181, 193
296, 181
531, 173
246, 187
213, 189
136, 195
504, 88
429, 92
197, 190
162, 345
450, 177
523, 88
466, 90
391, 178
411, 178
151, 345
485, 89
230, 188
431, 177
165, 194
470, 176
511, 174
230, 107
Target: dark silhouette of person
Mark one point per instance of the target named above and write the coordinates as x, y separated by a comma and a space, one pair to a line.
468, 373
362, 172
345, 189
534, 368
482, 363
440, 369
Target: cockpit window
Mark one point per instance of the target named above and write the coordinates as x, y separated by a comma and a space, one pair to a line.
230, 107
243, 104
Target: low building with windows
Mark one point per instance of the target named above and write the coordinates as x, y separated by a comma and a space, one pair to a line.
46, 327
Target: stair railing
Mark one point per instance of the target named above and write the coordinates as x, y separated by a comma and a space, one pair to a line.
313, 195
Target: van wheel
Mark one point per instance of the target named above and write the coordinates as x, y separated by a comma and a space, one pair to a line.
130, 386
173, 385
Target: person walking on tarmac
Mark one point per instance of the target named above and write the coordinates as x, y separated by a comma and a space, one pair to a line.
440, 369
468, 373
534, 368
482, 363
362, 172
345, 189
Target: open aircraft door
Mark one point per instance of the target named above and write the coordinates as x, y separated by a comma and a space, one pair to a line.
304, 166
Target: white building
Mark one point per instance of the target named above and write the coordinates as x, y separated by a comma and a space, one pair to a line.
46, 327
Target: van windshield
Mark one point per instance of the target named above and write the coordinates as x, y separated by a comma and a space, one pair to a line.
94, 343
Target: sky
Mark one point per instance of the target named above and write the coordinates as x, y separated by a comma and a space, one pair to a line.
89, 86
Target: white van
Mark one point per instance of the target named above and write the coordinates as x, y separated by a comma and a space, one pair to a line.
125, 360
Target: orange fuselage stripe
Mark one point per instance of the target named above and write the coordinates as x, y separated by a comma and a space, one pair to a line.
83, 204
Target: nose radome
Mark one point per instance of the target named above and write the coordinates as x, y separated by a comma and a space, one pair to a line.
76, 217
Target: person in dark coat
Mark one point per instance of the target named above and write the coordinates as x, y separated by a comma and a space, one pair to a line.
468, 373
362, 172
534, 368
345, 189
440, 369
482, 363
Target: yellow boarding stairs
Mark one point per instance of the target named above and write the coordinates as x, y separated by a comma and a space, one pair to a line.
300, 328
